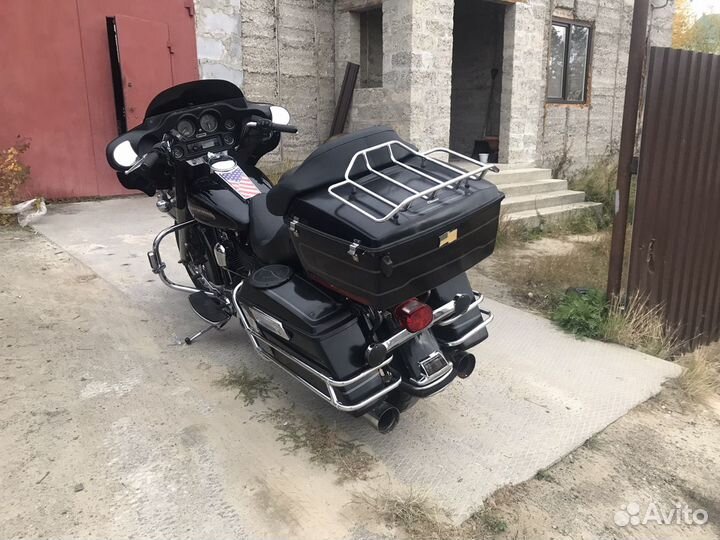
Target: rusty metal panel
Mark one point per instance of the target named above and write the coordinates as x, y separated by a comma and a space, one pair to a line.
675, 254
57, 85
145, 63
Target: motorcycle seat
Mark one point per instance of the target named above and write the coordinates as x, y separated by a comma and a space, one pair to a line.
269, 236
327, 165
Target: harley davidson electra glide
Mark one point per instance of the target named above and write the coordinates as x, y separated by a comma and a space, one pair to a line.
349, 274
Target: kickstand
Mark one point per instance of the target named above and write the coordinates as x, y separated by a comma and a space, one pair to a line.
217, 326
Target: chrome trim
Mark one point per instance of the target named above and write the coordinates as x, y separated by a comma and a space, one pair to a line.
157, 264
448, 372
427, 380
426, 194
479, 298
330, 383
489, 317
439, 315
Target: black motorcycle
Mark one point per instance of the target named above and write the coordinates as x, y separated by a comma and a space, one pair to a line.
349, 274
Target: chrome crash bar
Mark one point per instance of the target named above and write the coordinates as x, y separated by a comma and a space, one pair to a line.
330, 384
157, 264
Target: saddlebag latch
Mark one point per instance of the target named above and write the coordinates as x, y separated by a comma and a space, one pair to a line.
352, 250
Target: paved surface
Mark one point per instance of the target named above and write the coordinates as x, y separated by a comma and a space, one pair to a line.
536, 394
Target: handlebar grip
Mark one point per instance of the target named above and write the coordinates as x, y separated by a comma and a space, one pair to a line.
151, 159
284, 128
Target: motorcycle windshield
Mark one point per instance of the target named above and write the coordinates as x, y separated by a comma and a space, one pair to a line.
193, 93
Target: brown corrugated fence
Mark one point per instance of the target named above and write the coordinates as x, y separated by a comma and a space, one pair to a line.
675, 254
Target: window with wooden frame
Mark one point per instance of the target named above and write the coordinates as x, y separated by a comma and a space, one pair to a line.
569, 63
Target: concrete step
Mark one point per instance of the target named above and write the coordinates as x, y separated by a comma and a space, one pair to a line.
541, 200
552, 214
509, 176
517, 189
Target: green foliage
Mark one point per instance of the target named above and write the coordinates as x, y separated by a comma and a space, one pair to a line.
599, 181
582, 314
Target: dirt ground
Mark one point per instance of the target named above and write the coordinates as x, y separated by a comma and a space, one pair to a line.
106, 431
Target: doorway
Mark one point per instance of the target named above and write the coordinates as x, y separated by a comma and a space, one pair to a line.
476, 77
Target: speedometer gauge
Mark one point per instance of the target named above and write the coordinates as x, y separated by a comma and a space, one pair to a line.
208, 122
186, 128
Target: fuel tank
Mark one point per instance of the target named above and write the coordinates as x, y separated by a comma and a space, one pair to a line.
214, 203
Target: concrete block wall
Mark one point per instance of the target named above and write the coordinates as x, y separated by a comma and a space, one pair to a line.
585, 133
417, 66
281, 52
219, 42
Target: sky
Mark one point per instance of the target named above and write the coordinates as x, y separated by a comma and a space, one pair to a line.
706, 6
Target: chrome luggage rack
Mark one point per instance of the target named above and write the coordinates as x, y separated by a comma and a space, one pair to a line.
427, 194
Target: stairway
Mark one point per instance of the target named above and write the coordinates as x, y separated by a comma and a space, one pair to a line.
533, 197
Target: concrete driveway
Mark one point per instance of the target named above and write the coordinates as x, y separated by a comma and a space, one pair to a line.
536, 394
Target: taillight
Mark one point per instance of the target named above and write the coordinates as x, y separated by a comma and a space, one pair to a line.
413, 315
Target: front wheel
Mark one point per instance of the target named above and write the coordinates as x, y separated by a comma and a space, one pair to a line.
200, 261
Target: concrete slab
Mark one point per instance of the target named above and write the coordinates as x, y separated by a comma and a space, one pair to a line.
536, 394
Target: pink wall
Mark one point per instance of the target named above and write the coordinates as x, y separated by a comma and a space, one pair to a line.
56, 85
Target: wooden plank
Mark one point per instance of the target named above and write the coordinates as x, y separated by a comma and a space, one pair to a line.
346, 94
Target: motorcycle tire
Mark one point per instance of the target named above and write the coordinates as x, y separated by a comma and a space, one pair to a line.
201, 254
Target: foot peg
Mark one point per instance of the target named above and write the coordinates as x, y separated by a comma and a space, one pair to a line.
209, 310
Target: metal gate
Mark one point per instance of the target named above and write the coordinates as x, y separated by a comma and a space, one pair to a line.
675, 253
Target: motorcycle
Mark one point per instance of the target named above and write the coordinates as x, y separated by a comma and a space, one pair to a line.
349, 273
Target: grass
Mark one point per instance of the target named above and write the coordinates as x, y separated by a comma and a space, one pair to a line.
599, 181
413, 513
635, 324
541, 281
548, 283
250, 387
513, 233
325, 446
701, 378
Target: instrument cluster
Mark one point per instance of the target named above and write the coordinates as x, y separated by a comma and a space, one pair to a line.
202, 133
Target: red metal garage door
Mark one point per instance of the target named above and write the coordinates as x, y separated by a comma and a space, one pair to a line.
58, 87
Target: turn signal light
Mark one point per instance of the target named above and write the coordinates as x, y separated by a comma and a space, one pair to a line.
413, 315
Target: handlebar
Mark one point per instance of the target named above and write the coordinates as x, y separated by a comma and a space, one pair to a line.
267, 124
149, 160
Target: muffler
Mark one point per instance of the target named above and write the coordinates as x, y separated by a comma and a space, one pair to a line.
383, 416
464, 364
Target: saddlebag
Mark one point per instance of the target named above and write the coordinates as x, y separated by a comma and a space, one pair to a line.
313, 336
424, 244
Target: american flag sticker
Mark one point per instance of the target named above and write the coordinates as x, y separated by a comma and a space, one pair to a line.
240, 182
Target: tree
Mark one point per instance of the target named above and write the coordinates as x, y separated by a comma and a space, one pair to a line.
683, 25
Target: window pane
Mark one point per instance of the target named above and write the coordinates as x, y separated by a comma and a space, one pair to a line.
577, 62
558, 37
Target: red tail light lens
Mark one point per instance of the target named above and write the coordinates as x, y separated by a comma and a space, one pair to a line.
413, 315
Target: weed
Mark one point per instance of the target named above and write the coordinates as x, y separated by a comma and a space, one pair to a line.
701, 378
492, 522
541, 281
583, 314
598, 181
593, 443
638, 325
544, 475
412, 512
13, 174
250, 387
322, 442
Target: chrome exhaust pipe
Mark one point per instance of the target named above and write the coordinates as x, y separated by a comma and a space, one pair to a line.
464, 365
383, 417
